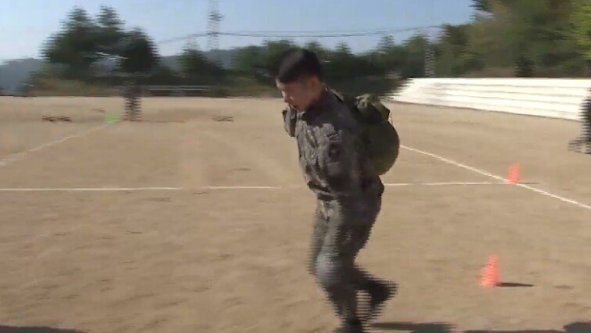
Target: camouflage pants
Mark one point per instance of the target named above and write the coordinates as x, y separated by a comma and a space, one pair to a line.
583, 143
341, 229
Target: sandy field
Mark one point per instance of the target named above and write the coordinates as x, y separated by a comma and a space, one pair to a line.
196, 220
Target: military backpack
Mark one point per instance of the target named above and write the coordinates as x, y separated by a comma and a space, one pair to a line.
381, 138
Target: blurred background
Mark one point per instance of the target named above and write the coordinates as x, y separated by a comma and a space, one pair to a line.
226, 47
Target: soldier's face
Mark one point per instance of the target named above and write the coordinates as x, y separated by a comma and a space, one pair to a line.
299, 94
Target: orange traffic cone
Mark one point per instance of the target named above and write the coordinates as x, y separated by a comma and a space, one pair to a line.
490, 274
514, 174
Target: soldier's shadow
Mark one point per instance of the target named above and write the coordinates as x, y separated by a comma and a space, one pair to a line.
578, 327
14, 329
415, 327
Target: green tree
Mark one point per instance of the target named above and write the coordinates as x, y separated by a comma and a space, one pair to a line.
340, 63
75, 46
493, 7
581, 27
482, 5
536, 28
110, 31
453, 57
386, 44
83, 41
138, 52
273, 50
195, 65
317, 48
388, 56
249, 59
414, 62
163, 74
536, 34
487, 46
343, 50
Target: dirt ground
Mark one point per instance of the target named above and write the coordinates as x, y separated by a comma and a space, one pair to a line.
196, 220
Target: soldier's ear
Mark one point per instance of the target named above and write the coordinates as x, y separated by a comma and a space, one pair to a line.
312, 81
316, 80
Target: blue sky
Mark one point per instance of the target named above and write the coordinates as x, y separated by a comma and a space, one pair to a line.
26, 24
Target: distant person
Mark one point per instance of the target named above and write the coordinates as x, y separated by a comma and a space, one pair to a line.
587, 119
583, 143
132, 94
334, 159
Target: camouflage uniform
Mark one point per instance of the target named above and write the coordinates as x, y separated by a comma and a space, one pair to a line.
583, 143
586, 120
132, 94
349, 196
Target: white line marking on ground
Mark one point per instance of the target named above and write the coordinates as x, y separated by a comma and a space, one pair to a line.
242, 187
443, 184
386, 184
212, 188
488, 174
16, 156
452, 162
89, 189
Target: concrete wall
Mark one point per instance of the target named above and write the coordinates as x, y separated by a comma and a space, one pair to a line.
556, 98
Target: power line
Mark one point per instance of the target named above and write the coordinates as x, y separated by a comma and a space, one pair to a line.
213, 25
182, 38
301, 34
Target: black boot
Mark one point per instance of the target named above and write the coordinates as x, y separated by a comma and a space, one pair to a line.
350, 327
379, 293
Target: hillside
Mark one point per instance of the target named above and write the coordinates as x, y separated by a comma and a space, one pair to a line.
15, 72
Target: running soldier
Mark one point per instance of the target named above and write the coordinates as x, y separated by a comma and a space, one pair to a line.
583, 143
336, 168
132, 95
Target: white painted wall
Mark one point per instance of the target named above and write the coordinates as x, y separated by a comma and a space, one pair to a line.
555, 98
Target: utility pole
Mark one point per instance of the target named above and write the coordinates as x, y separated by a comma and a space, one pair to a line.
429, 61
429, 66
213, 29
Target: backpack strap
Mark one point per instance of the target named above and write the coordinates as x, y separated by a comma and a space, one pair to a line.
289, 121
367, 106
350, 102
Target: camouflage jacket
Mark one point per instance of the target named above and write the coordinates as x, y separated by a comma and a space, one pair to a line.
331, 152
